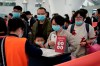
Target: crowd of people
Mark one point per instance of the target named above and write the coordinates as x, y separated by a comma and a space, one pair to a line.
22, 35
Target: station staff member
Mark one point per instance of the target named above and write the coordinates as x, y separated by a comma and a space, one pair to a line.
16, 50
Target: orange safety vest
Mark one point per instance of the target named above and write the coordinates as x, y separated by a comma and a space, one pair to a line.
15, 51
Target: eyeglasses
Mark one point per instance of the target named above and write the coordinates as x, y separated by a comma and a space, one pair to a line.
78, 17
41, 13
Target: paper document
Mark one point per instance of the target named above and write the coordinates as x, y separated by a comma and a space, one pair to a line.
49, 52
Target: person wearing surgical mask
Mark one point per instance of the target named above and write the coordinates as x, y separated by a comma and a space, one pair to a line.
19, 48
57, 23
42, 25
19, 27
39, 41
17, 11
16, 14
80, 33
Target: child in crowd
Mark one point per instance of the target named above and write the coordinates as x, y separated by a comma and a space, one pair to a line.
39, 41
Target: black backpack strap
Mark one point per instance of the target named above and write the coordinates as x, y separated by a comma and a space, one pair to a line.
87, 27
72, 28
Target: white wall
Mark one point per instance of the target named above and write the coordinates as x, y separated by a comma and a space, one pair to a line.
53, 6
73, 5
64, 6
46, 5
90, 8
57, 6
30, 6
19, 2
5, 10
8, 9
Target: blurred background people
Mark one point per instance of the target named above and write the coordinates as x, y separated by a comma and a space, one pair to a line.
67, 21
98, 25
94, 18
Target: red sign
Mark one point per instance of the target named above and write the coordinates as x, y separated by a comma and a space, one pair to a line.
60, 44
94, 24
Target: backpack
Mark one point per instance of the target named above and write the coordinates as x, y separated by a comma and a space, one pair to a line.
86, 25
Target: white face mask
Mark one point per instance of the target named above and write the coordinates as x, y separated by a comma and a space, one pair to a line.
42, 42
20, 35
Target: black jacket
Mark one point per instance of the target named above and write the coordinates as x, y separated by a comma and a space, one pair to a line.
98, 34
